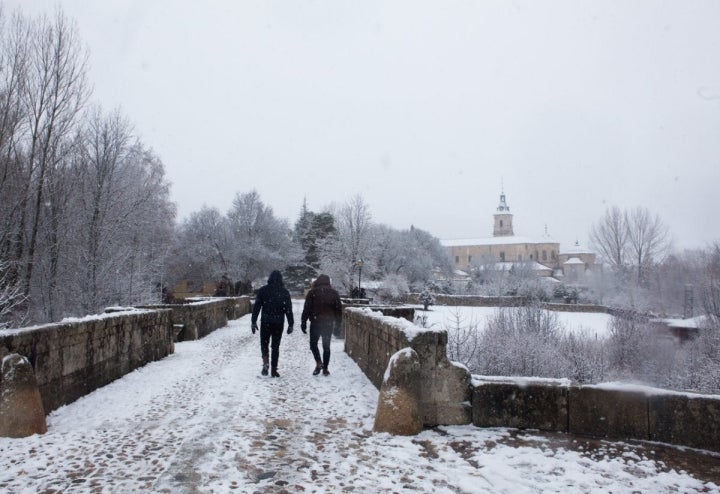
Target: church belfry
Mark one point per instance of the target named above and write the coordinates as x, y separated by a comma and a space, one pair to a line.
503, 219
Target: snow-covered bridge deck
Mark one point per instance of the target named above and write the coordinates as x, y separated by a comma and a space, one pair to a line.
204, 420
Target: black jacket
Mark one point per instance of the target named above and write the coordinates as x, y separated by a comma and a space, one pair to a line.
274, 301
322, 304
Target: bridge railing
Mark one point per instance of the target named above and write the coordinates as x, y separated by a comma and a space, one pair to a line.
449, 396
76, 356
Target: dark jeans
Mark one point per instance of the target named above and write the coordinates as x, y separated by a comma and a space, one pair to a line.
316, 331
268, 332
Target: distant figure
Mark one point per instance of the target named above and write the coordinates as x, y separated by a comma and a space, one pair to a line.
426, 298
224, 287
274, 301
243, 287
168, 297
324, 310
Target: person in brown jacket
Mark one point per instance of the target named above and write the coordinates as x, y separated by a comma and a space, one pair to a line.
324, 310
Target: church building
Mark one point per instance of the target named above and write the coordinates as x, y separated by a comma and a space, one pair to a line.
504, 247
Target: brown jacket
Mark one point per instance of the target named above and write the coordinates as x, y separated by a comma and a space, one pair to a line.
322, 304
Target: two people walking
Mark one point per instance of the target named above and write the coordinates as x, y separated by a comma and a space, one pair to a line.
322, 308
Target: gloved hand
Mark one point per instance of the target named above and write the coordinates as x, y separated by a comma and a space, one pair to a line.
303, 327
254, 327
290, 329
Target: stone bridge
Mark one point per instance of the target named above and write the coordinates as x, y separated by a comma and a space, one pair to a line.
201, 419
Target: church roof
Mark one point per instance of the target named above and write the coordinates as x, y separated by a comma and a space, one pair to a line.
509, 240
576, 249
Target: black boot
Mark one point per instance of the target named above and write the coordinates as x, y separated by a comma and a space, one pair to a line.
318, 368
264, 371
275, 373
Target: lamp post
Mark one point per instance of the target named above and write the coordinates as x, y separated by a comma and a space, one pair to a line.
359, 263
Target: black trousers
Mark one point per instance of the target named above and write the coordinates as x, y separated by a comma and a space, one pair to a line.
270, 332
316, 332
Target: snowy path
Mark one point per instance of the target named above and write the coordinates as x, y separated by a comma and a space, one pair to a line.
204, 420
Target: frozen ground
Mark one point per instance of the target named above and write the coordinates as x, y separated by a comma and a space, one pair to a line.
204, 420
444, 316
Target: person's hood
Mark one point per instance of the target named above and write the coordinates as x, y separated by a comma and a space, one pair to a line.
321, 280
275, 279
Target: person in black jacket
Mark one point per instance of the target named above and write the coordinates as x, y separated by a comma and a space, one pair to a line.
323, 309
274, 301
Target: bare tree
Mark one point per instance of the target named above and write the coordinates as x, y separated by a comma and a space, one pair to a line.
648, 240
260, 241
610, 237
463, 340
120, 214
14, 40
10, 297
247, 243
202, 247
710, 284
54, 95
350, 250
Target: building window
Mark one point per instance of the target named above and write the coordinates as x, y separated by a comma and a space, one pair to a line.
501, 223
502, 257
457, 259
469, 259
544, 255
552, 254
519, 257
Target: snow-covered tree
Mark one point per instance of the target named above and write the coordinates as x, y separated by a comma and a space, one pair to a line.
85, 212
201, 250
260, 241
648, 240
120, 216
246, 243
609, 237
54, 94
312, 231
350, 248
10, 297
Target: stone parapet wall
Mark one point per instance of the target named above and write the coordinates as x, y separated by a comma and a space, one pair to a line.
201, 316
483, 301
71, 359
74, 357
469, 300
371, 339
614, 412
588, 308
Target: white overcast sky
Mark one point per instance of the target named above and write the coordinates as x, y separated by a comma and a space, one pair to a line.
424, 108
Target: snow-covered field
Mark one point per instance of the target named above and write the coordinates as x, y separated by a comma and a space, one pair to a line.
204, 420
445, 316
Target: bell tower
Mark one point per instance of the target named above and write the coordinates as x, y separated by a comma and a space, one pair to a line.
503, 219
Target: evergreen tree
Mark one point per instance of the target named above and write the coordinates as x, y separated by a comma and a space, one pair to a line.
310, 232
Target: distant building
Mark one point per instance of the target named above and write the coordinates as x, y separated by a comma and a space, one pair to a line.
503, 247
576, 261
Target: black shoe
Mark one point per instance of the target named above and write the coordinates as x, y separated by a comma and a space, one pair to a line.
326, 372
317, 371
275, 374
264, 371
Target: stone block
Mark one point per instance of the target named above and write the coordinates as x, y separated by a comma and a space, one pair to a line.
446, 393
399, 409
539, 406
601, 412
21, 409
685, 419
